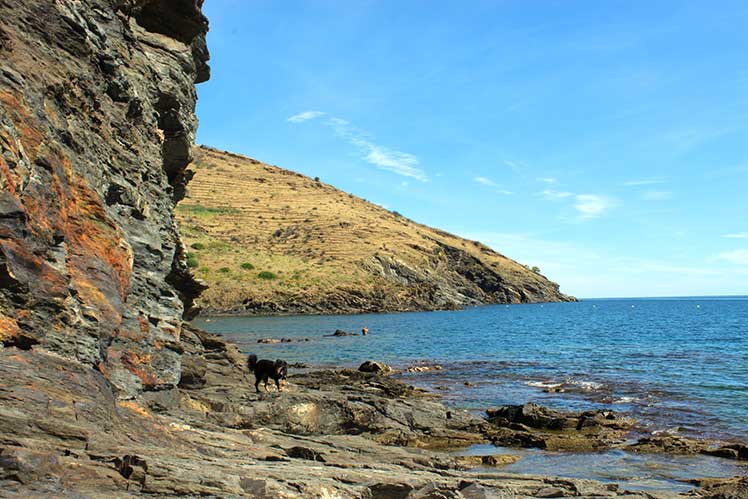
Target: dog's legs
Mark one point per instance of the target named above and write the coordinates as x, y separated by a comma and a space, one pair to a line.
277, 384
257, 384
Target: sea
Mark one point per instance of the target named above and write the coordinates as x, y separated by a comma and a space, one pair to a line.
678, 365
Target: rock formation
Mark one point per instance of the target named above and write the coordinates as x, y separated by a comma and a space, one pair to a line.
105, 392
97, 123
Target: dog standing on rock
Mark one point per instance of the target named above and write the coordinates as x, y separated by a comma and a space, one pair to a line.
265, 370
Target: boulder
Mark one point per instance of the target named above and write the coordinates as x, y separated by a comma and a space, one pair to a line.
371, 366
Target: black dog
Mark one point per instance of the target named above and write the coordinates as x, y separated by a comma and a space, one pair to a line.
267, 369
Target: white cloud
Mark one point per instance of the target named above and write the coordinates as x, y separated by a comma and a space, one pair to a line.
555, 195
305, 116
737, 235
490, 183
592, 205
657, 195
547, 180
485, 181
736, 257
646, 181
398, 162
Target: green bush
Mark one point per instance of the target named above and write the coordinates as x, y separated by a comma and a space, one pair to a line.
247, 266
192, 260
224, 270
267, 275
204, 270
197, 246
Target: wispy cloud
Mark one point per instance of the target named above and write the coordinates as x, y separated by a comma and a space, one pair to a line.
547, 180
485, 181
737, 235
490, 183
554, 195
657, 195
644, 181
384, 158
305, 116
592, 205
736, 257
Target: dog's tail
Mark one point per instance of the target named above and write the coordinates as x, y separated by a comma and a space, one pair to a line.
252, 362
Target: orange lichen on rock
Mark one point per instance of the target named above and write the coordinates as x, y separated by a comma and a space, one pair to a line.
134, 407
8, 328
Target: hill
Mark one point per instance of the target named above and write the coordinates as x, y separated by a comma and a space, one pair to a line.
271, 241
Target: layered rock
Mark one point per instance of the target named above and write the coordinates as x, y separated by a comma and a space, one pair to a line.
97, 122
329, 434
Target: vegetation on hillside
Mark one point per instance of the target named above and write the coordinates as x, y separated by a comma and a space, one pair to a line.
269, 240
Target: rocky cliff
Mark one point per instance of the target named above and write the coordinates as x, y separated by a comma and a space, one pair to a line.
97, 122
278, 242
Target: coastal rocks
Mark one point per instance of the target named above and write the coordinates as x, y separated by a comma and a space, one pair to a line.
731, 451
531, 425
672, 444
422, 368
493, 460
96, 128
721, 488
371, 366
676, 444
336, 434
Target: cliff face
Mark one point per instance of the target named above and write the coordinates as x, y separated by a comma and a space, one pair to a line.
97, 122
275, 241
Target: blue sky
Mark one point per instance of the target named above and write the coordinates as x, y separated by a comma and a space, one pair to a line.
605, 142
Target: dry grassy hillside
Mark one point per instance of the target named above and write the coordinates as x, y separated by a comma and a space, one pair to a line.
269, 240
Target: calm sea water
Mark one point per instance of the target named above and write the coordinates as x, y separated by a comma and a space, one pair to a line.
678, 365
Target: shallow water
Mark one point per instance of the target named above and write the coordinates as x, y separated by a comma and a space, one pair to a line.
630, 470
678, 365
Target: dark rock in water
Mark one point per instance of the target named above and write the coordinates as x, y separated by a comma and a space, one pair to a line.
532, 415
371, 366
340, 332
532, 425
731, 451
672, 444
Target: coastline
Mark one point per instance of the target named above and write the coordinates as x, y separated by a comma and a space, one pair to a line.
332, 433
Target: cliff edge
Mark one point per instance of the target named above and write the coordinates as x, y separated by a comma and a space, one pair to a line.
97, 123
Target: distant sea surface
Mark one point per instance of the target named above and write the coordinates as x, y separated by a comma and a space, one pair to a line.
679, 365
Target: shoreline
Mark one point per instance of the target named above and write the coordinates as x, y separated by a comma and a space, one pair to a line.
313, 313
331, 433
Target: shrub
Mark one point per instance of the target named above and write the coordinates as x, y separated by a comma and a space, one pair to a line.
204, 270
197, 246
536, 269
224, 270
192, 260
267, 275
247, 266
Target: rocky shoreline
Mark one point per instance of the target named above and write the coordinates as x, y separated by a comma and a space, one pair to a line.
333, 433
